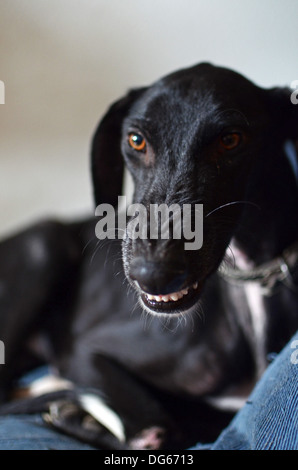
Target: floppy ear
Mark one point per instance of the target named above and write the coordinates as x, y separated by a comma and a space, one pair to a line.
106, 159
285, 106
283, 109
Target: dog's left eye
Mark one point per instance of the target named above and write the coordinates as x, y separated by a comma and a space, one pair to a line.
137, 141
230, 141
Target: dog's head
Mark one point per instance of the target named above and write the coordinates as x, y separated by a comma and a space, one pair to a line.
200, 136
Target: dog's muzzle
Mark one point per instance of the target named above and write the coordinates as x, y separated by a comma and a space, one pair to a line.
163, 290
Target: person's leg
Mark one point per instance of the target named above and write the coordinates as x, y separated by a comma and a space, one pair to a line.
28, 432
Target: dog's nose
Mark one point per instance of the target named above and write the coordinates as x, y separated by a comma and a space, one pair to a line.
156, 278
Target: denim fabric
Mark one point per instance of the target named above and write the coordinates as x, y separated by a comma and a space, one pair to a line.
28, 432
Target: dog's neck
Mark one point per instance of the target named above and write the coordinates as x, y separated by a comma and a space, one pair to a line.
266, 232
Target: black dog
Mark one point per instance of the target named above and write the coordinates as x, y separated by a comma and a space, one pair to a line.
204, 135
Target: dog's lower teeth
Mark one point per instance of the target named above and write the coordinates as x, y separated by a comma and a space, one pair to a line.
171, 297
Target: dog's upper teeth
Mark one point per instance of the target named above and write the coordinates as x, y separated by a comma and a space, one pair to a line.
174, 296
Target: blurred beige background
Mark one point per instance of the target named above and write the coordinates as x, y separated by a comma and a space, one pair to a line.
64, 61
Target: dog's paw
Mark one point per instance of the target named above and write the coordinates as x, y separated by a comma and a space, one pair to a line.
70, 418
152, 438
93, 422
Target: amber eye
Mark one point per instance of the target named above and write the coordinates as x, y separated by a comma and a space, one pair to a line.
230, 141
136, 141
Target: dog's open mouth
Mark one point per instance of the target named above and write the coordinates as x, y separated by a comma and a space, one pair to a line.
174, 303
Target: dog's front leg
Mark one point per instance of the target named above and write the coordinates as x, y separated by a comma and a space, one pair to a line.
119, 406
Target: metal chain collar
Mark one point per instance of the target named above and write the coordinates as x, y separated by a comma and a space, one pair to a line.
268, 274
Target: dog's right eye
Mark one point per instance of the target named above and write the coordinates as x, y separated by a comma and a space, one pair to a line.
137, 141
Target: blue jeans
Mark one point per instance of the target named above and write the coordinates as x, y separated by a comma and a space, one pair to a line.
268, 421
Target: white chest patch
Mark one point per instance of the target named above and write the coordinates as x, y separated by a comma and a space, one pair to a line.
255, 301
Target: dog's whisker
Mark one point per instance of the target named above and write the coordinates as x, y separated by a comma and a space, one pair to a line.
98, 246
233, 203
86, 245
